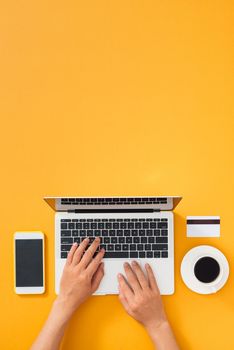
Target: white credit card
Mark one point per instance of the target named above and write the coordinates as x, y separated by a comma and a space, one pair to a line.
203, 226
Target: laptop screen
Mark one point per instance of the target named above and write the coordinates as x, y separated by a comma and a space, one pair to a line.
112, 203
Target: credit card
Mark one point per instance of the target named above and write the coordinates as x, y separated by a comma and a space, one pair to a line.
203, 226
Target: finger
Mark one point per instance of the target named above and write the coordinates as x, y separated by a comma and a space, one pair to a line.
151, 277
79, 251
93, 266
132, 279
123, 300
97, 277
140, 275
126, 290
71, 253
88, 255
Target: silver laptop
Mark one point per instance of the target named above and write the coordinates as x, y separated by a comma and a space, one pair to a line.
130, 228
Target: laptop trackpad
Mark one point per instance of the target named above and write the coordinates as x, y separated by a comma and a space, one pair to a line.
109, 283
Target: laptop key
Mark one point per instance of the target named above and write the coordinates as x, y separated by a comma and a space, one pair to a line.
119, 233
133, 254
116, 254
65, 247
130, 225
125, 247
66, 240
159, 247
113, 239
112, 233
164, 254
132, 246
156, 232
65, 233
156, 254
63, 225
161, 240
141, 254
110, 247
77, 240
143, 239
136, 239
71, 225
147, 246
127, 232
118, 247
149, 254
63, 255
123, 225
121, 239
164, 233
162, 225
139, 246
128, 239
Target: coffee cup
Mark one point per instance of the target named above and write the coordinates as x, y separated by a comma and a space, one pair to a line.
204, 269
208, 270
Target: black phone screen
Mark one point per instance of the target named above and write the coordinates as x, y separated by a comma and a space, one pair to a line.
29, 262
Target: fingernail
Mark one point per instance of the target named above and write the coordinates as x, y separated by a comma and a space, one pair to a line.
97, 239
87, 239
126, 264
75, 243
119, 275
103, 250
134, 263
147, 265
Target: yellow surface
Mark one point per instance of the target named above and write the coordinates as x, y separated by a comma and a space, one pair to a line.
116, 98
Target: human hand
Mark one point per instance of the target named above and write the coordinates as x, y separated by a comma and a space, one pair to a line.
140, 296
82, 274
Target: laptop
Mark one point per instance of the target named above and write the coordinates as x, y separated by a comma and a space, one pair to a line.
130, 228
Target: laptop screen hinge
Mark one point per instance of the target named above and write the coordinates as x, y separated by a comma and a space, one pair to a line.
144, 210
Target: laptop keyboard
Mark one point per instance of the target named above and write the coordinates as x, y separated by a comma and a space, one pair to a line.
121, 238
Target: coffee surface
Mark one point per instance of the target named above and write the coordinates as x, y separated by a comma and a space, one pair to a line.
206, 269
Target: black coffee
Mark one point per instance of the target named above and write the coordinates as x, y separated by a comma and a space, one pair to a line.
206, 269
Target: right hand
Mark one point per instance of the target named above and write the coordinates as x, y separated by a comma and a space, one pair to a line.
140, 296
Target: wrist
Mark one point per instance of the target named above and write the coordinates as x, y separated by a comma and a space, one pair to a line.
62, 309
155, 327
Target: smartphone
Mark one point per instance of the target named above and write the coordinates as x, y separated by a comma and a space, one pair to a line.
29, 262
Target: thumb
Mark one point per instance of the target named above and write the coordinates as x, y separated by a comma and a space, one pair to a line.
97, 277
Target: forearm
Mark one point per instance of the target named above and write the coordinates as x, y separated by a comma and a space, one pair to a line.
51, 335
163, 337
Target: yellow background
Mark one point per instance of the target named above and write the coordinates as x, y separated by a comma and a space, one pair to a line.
116, 98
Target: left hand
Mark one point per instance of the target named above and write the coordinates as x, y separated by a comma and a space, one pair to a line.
82, 274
